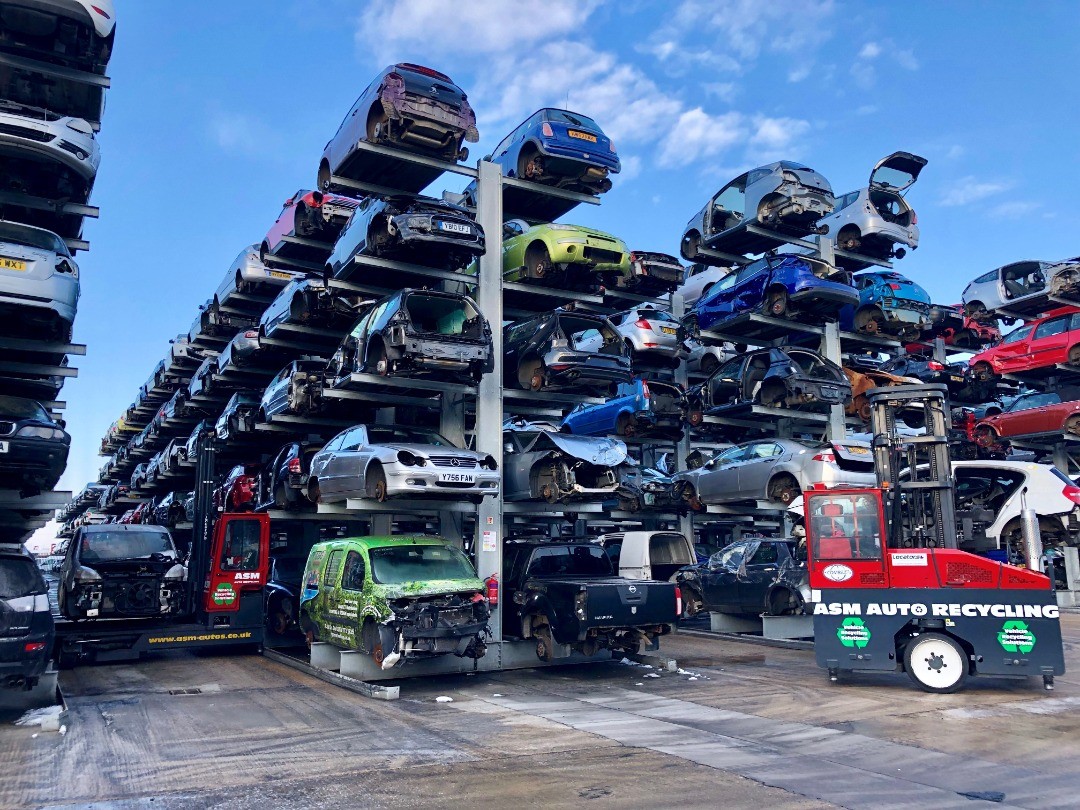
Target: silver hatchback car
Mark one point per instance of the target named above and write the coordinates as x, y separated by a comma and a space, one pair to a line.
39, 283
248, 274
873, 220
652, 334
777, 470
38, 134
1022, 287
386, 461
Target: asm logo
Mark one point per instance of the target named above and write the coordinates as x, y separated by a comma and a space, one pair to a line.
246, 576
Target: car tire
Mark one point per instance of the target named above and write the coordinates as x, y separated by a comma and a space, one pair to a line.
985, 437
691, 244
280, 498
324, 182
848, 238
709, 364
783, 488
530, 165
377, 121
538, 261
375, 483
983, 372
936, 663
624, 425
776, 304
783, 602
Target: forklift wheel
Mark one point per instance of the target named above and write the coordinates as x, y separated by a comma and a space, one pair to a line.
936, 663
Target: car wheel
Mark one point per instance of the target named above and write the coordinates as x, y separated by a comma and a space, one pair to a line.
690, 497
624, 425
375, 483
848, 238
784, 489
777, 303
936, 663
869, 320
709, 364
538, 261
529, 372
324, 176
377, 121
690, 246
530, 165
986, 437
984, 372
1074, 356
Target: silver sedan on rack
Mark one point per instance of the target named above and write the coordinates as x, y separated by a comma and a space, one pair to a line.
388, 461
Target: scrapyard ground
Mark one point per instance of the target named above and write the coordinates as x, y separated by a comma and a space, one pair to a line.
757, 726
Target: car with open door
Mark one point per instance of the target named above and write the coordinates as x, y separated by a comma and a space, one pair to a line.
282, 483
875, 220
749, 578
782, 197
1021, 288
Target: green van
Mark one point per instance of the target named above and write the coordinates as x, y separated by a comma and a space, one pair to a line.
394, 598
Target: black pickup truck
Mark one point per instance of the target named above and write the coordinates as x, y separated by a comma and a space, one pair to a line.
565, 595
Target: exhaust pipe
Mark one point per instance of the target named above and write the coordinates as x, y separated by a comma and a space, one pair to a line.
1032, 537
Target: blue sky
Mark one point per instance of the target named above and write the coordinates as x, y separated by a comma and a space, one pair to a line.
218, 114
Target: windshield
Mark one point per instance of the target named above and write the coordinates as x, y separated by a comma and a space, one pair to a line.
656, 315
1017, 334
31, 237
570, 561
443, 315
20, 577
404, 435
573, 118
585, 333
397, 565
19, 408
123, 545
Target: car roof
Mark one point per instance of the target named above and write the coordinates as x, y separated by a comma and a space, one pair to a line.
125, 527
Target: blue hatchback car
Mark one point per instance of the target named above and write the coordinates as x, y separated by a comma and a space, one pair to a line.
557, 148
780, 286
888, 303
638, 408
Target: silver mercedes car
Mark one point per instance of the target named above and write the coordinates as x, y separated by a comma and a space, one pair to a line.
388, 461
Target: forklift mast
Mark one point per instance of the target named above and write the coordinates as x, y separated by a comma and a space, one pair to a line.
202, 526
914, 472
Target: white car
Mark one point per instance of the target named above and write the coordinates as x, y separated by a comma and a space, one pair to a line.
247, 274
75, 33
699, 279
39, 283
41, 135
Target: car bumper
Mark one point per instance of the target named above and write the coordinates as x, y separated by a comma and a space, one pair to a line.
59, 293
438, 355
877, 228
51, 151
16, 664
827, 293
424, 481
609, 162
650, 341
820, 472
827, 393
586, 373
421, 229
32, 458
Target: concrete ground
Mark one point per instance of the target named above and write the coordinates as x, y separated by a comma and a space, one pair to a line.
740, 726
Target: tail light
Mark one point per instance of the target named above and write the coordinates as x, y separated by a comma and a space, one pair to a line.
914, 217
251, 334
34, 646
294, 466
611, 145
645, 389
894, 286
934, 365
547, 130
1072, 492
641, 323
827, 456
559, 366
678, 601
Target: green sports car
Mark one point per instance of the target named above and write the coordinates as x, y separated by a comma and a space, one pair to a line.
394, 598
568, 256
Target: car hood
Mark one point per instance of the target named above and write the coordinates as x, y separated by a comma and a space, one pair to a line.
605, 452
430, 449
432, 587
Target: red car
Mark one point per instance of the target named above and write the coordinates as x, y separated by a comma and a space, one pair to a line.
1047, 341
972, 334
309, 215
1031, 413
237, 492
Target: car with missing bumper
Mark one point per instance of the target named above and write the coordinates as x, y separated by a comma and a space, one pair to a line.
77, 34
121, 571
565, 350
889, 303
1023, 287
421, 230
396, 599
567, 597
239, 415
407, 106
307, 215
387, 461
652, 272
26, 622
1039, 344
566, 256
296, 389
653, 336
308, 302
1033, 412
418, 333
781, 196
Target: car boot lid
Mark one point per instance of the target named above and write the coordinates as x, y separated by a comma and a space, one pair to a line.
897, 172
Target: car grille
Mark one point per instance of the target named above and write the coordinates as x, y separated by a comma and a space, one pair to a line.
601, 255
456, 462
26, 132
7, 428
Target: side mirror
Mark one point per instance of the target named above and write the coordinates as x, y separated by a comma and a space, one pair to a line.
487, 157
288, 203
61, 423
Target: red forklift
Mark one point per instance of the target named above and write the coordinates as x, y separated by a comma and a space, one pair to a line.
228, 569
890, 588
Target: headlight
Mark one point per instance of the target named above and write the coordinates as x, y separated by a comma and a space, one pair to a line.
84, 574
31, 431
177, 573
410, 460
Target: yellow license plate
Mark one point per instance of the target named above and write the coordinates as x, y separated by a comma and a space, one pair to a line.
583, 136
858, 451
279, 274
12, 264
668, 330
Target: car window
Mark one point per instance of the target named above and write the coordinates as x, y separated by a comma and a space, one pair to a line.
987, 277
766, 553
730, 557
749, 271
240, 551
731, 199
333, 567
352, 579
730, 369
846, 200
1033, 401
764, 450
566, 117
354, 439
19, 576
14, 233
730, 456
1016, 335
584, 560
726, 282
1054, 326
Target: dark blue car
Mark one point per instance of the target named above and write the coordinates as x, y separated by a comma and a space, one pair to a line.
638, 408
779, 286
557, 148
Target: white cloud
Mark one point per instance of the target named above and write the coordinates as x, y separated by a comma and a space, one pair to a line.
800, 73
971, 189
1014, 209
776, 136
867, 109
865, 74
631, 167
954, 151
697, 134
241, 134
724, 91
871, 50
906, 60
750, 26
393, 29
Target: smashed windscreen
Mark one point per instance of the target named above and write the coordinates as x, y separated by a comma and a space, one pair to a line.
396, 565
108, 546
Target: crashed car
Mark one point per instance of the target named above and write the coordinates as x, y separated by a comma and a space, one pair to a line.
1031, 413
407, 106
781, 196
1023, 287
128, 571
779, 378
653, 273
310, 216
418, 333
639, 408
248, 274
238, 416
889, 303
308, 302
170, 509
237, 492
872, 221
1045, 342
388, 461
749, 578
396, 599
33, 446
296, 389
543, 464
421, 230
657, 492
570, 257
565, 350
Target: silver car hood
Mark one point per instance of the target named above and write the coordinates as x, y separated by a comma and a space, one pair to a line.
605, 452
429, 449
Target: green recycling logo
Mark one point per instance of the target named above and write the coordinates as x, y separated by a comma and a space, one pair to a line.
1015, 637
853, 632
224, 594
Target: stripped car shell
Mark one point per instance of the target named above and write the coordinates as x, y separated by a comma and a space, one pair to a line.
394, 598
543, 464
653, 272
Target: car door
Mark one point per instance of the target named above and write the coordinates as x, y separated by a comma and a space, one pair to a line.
750, 287
351, 593
756, 470
336, 625
719, 583
719, 481
758, 573
718, 303
326, 466
726, 382
726, 209
1050, 342
1032, 413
